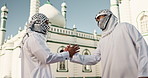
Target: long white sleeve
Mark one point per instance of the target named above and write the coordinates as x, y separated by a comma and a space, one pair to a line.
87, 59
40, 50
142, 51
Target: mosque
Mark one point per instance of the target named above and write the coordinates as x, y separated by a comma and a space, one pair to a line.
59, 36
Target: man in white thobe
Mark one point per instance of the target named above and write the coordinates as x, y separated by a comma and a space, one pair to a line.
122, 49
36, 57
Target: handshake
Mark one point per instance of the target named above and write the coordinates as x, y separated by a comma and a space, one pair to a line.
72, 49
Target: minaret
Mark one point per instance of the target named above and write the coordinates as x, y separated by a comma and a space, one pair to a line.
34, 7
64, 10
115, 8
75, 34
95, 35
95, 38
125, 11
4, 12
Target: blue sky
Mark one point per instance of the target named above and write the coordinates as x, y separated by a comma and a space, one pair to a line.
79, 12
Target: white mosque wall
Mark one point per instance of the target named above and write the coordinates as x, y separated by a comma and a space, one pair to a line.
130, 9
114, 7
6, 59
125, 13
61, 38
137, 6
16, 64
3, 64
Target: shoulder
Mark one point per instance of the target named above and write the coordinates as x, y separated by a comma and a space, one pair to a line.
126, 26
35, 37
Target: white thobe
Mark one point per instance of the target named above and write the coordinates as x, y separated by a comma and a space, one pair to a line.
36, 57
123, 53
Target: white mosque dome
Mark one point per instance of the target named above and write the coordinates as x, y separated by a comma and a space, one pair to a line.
55, 17
4, 8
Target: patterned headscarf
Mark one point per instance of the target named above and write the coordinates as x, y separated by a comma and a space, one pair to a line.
38, 23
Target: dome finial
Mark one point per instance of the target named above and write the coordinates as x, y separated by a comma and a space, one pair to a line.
95, 32
74, 26
4, 8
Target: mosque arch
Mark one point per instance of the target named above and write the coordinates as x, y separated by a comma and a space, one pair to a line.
142, 22
86, 68
62, 66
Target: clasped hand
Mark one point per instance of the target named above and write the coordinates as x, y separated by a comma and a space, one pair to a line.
72, 49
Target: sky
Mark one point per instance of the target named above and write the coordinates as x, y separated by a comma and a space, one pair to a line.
79, 12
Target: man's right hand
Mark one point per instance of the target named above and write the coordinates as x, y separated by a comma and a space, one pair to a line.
72, 50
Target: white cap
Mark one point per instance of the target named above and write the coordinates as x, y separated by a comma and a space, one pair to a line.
104, 12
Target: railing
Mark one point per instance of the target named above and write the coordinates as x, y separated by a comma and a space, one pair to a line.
73, 32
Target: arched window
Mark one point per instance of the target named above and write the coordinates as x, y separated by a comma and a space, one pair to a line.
62, 66
86, 68
142, 21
